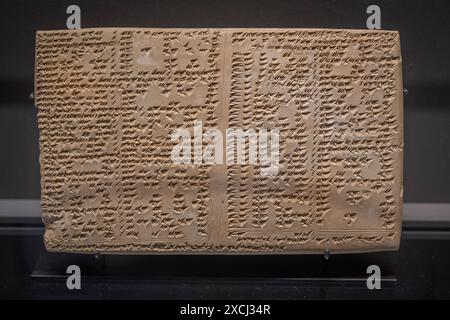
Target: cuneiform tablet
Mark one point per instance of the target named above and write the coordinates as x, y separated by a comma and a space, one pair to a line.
111, 101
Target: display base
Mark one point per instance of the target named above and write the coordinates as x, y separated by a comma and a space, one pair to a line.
334, 270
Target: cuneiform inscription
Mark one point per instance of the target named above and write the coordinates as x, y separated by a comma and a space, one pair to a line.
109, 100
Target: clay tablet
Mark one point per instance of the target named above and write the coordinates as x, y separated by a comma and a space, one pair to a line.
220, 140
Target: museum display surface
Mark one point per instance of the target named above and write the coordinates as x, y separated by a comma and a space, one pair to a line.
326, 103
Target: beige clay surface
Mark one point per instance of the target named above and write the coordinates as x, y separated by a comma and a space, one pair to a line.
109, 100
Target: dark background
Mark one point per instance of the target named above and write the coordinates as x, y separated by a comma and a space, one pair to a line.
424, 31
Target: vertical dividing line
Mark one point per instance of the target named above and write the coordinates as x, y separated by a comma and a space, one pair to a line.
218, 215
